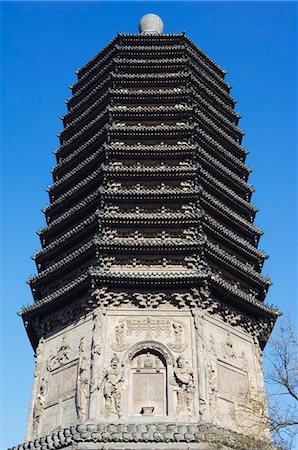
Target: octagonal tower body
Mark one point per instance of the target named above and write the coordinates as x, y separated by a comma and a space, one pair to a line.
148, 319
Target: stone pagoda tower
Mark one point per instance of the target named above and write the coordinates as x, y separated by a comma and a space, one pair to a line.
148, 320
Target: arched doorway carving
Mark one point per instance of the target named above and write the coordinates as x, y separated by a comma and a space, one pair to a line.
148, 365
148, 381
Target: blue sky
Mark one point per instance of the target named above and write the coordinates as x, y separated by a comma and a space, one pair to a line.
43, 43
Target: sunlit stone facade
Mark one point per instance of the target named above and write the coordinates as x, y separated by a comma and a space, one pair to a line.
148, 318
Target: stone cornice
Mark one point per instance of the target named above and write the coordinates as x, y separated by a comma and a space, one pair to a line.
145, 278
161, 64
124, 150
79, 187
144, 220
230, 177
79, 88
157, 111
158, 434
222, 284
222, 93
198, 87
151, 172
229, 125
100, 120
231, 215
58, 293
70, 212
84, 71
234, 264
231, 196
63, 181
62, 263
232, 144
239, 243
142, 79
235, 163
97, 90
97, 107
147, 194
162, 94
146, 131
66, 237
96, 138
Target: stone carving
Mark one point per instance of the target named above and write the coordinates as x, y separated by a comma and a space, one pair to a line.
61, 357
150, 345
111, 381
186, 435
199, 328
38, 357
148, 299
96, 335
228, 348
213, 387
120, 344
39, 405
82, 389
194, 298
152, 328
178, 345
212, 344
184, 377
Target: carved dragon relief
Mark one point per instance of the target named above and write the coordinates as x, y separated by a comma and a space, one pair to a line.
150, 328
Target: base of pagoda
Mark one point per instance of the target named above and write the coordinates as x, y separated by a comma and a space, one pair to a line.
155, 436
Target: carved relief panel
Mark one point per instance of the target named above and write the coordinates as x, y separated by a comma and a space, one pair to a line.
231, 370
61, 390
156, 353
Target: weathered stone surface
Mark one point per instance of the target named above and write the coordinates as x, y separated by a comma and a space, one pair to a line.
211, 438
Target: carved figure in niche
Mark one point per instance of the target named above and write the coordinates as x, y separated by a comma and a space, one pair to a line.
228, 348
178, 331
111, 382
120, 344
178, 345
184, 377
38, 357
82, 389
38, 408
148, 362
213, 390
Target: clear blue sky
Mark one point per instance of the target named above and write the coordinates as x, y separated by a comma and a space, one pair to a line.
42, 45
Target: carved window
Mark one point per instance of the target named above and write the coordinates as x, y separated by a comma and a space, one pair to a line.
148, 376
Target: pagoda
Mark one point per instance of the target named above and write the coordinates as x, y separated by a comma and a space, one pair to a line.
148, 321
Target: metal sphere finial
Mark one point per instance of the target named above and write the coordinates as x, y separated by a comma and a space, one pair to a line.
151, 24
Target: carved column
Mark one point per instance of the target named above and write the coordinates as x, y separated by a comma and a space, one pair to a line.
96, 352
201, 361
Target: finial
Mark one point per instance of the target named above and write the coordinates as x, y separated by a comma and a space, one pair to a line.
151, 24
